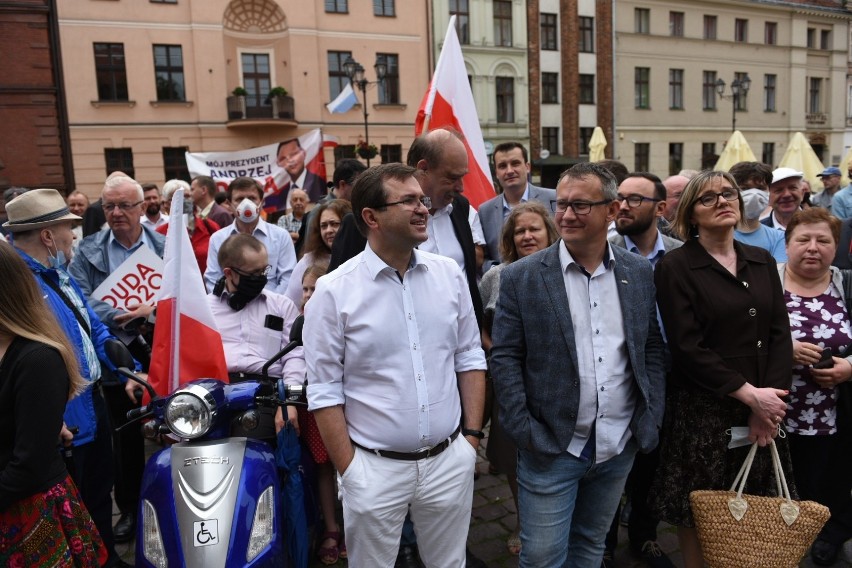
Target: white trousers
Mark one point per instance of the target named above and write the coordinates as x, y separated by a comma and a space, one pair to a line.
376, 494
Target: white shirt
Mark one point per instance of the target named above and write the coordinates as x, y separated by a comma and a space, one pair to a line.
279, 246
442, 237
249, 344
390, 350
162, 220
294, 288
607, 388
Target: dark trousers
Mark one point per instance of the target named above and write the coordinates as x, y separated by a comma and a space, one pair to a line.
128, 449
642, 525
93, 473
821, 466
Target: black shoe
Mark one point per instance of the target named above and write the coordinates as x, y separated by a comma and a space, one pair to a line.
824, 553
407, 557
653, 555
125, 529
608, 560
472, 561
624, 518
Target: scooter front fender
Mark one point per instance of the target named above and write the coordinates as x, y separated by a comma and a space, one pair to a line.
204, 496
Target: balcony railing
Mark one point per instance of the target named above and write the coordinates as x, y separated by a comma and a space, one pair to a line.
816, 118
253, 108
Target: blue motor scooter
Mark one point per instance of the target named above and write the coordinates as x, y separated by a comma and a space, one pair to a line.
210, 500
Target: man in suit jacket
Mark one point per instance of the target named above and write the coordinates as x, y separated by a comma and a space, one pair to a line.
512, 168
580, 381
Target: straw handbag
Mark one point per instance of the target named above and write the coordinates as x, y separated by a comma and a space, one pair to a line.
746, 531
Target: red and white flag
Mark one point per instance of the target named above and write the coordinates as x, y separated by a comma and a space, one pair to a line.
187, 344
449, 103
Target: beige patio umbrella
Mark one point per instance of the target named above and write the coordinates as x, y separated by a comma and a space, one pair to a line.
801, 157
597, 145
844, 167
736, 150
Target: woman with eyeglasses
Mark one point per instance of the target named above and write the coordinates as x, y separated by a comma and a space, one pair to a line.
325, 223
727, 328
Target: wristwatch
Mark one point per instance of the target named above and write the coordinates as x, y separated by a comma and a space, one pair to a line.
475, 433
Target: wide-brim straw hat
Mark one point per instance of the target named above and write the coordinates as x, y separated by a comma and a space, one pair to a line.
36, 209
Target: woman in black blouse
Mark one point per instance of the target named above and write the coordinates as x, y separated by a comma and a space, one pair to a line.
724, 315
42, 518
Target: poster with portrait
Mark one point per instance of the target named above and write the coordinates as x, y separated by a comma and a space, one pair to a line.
279, 168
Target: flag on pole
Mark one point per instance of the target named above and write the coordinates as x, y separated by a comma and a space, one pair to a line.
187, 344
449, 103
344, 101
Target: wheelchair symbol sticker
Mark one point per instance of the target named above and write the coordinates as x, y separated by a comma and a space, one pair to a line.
205, 533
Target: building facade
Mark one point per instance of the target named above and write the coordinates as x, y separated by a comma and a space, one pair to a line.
670, 56
148, 80
493, 38
35, 150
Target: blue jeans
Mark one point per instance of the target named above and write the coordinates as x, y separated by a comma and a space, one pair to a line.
566, 508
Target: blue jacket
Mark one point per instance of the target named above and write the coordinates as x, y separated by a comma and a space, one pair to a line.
90, 267
79, 411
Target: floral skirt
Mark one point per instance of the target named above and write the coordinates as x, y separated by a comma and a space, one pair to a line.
50, 529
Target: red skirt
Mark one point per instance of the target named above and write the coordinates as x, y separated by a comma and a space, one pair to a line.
50, 529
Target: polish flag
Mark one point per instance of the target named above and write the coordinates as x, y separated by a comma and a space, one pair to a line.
187, 344
449, 103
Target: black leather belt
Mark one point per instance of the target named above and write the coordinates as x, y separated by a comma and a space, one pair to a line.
413, 456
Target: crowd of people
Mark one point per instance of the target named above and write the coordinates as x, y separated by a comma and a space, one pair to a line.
624, 339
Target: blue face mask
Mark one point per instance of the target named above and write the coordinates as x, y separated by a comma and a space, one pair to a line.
57, 260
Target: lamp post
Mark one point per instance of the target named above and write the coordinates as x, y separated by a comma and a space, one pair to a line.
355, 72
739, 87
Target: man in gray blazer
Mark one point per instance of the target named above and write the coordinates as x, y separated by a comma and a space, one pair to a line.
578, 374
512, 168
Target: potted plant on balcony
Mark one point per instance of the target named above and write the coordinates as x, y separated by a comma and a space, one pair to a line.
366, 151
282, 104
237, 104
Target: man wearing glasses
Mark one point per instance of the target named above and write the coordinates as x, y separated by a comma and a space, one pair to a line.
577, 364
642, 199
255, 325
396, 381
97, 257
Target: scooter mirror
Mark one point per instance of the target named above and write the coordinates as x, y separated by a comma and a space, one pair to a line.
119, 354
296, 329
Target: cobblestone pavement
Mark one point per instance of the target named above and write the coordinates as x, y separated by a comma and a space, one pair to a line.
494, 516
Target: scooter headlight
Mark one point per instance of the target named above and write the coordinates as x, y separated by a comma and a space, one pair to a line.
190, 412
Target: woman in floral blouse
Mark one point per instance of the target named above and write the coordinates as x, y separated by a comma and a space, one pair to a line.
819, 320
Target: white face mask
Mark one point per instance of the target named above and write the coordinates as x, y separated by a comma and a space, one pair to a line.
755, 201
247, 211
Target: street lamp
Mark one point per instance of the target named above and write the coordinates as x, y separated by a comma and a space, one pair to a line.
738, 87
355, 72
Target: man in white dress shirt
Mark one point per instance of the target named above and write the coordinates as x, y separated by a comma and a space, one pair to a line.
246, 195
255, 324
410, 374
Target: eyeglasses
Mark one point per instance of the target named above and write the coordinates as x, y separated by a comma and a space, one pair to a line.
579, 207
110, 207
329, 225
635, 200
256, 273
711, 198
410, 202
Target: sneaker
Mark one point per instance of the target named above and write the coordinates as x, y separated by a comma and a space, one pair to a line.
654, 556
